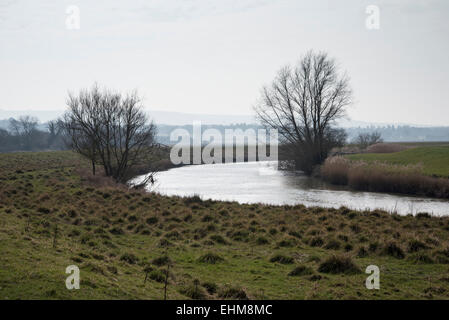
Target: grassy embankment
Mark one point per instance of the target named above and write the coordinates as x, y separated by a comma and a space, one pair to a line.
419, 170
53, 214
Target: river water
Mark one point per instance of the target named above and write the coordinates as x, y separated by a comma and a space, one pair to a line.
261, 182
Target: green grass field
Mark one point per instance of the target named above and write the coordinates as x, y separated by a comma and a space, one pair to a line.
116, 236
434, 159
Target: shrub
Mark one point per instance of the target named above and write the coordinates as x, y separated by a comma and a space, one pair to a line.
112, 269
152, 220
338, 264
129, 258
295, 234
161, 261
392, 249
211, 287
223, 213
43, 210
282, 259
301, 271
286, 243
194, 291
316, 242
164, 243
443, 256
74, 233
157, 275
241, 235
355, 228
420, 257
373, 246
173, 235
332, 245
207, 218
416, 245
261, 241
229, 292
117, 231
362, 252
315, 277
218, 239
210, 258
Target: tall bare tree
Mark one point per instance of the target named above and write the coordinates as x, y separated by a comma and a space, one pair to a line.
110, 129
303, 103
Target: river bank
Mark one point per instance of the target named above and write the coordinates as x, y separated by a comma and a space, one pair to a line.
262, 182
51, 216
421, 171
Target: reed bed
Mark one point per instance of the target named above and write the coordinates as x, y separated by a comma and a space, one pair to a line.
383, 177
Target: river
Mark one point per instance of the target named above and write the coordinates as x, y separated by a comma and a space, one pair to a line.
261, 182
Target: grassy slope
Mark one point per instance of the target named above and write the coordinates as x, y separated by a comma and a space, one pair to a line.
435, 160
97, 226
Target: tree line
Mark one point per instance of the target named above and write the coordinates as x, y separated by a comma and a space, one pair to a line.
24, 134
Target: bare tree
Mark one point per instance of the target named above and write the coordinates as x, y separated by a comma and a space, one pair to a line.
78, 138
109, 128
25, 125
364, 140
25, 128
54, 134
303, 103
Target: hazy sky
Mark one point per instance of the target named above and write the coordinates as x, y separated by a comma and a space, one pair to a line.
213, 56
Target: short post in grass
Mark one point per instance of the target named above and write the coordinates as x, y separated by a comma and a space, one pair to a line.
196, 282
262, 294
55, 235
147, 270
166, 280
27, 226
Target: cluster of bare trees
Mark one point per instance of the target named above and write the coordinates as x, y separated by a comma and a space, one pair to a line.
303, 103
23, 134
364, 140
110, 129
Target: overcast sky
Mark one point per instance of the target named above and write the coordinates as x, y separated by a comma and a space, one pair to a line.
213, 56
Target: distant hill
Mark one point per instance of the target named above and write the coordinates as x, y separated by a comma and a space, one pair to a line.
42, 115
179, 118
185, 118
160, 117
168, 121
